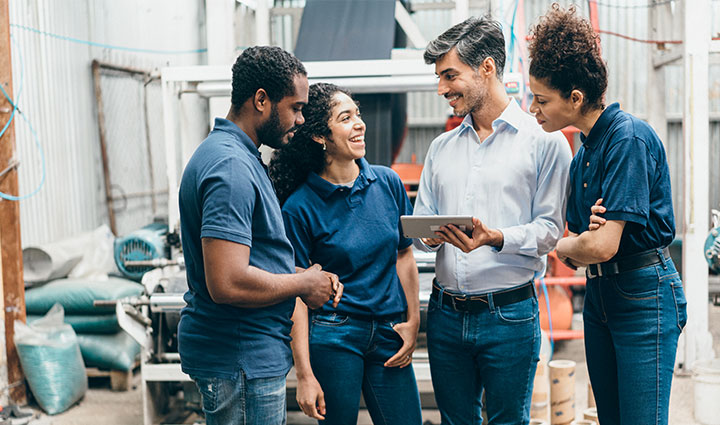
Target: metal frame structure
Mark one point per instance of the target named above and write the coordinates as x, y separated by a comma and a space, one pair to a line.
367, 76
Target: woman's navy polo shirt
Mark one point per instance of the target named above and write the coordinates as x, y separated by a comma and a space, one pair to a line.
623, 161
354, 233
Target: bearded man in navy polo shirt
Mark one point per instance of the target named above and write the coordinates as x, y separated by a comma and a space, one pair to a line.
234, 334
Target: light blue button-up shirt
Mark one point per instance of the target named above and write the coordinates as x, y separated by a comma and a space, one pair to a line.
516, 180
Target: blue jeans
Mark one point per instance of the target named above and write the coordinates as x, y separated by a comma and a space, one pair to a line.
632, 324
495, 351
243, 401
347, 356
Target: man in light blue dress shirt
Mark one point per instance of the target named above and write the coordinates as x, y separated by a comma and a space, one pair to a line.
500, 167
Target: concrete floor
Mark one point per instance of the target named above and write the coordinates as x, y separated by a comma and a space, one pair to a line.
102, 406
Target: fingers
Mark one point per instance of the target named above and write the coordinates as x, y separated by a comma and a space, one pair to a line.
315, 266
453, 235
321, 406
339, 287
402, 358
432, 241
310, 409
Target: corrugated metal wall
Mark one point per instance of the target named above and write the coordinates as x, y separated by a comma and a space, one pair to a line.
57, 96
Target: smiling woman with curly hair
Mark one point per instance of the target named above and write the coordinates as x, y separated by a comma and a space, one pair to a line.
344, 214
620, 219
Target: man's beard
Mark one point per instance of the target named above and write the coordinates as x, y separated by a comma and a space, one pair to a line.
271, 133
474, 101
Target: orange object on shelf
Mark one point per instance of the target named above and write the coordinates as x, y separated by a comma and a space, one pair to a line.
569, 132
410, 176
556, 267
560, 307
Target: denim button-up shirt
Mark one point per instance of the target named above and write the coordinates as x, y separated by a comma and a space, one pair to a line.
516, 180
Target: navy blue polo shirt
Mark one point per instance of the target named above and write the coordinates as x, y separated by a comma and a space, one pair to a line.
623, 161
226, 194
354, 233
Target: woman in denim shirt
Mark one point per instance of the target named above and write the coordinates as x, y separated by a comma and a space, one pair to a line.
635, 307
344, 214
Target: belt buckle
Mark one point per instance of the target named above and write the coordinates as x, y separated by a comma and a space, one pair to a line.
589, 271
455, 299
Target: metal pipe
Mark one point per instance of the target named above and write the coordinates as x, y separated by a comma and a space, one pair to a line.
163, 303
103, 146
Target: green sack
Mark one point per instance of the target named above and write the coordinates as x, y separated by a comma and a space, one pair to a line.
77, 295
89, 324
51, 360
114, 352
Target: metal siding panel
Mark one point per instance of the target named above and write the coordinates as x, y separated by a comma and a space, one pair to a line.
714, 199
57, 96
675, 163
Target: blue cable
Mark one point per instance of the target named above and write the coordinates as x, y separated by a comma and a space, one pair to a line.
32, 130
512, 36
547, 303
107, 46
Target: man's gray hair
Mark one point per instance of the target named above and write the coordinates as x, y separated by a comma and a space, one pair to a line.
475, 39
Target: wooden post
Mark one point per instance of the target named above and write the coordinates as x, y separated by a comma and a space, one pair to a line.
11, 266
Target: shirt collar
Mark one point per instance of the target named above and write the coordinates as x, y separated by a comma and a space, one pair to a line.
601, 125
324, 188
222, 124
512, 115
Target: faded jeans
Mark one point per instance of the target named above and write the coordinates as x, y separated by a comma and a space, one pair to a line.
495, 351
243, 401
632, 324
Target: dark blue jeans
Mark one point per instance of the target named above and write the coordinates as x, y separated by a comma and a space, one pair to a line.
347, 356
243, 401
632, 324
495, 351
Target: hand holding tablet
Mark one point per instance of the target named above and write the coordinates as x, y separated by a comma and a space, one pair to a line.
425, 226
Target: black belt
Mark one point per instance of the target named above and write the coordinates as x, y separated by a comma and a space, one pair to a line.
631, 262
477, 303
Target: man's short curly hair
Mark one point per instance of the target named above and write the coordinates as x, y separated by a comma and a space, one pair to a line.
291, 164
475, 39
264, 67
565, 55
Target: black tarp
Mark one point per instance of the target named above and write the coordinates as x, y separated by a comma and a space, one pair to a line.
359, 30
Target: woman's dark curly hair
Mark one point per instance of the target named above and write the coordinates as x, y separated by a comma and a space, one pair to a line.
292, 163
565, 56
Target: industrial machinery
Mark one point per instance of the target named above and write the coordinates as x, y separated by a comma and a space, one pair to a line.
147, 243
712, 256
712, 244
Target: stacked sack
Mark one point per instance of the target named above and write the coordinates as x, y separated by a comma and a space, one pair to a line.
102, 343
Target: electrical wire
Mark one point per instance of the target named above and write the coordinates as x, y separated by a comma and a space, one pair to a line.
547, 303
627, 37
636, 6
107, 46
32, 130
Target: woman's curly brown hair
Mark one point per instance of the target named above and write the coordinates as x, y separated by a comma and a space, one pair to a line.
291, 164
565, 56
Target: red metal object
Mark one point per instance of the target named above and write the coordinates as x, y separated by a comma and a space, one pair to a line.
569, 132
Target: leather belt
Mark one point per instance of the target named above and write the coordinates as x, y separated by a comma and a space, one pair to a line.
477, 303
625, 264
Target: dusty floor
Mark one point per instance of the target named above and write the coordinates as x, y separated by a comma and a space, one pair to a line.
102, 406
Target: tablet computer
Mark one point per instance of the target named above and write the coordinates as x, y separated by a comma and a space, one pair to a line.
425, 226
